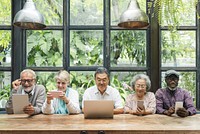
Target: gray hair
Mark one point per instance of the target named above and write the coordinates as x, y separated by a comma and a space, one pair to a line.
141, 76
101, 70
29, 71
63, 75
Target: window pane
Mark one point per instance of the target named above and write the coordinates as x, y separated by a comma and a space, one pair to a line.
47, 80
128, 48
5, 80
86, 12
45, 48
184, 13
122, 81
52, 10
119, 6
178, 49
86, 48
187, 80
80, 81
5, 12
5, 48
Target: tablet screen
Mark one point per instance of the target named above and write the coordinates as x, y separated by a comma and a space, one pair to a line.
19, 101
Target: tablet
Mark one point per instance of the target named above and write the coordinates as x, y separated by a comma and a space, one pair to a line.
19, 101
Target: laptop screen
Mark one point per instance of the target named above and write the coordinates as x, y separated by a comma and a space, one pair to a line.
94, 109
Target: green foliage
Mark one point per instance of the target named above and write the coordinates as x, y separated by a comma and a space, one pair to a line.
89, 12
81, 81
118, 85
188, 81
5, 92
175, 45
5, 12
129, 45
86, 48
45, 44
172, 13
5, 44
46, 79
52, 10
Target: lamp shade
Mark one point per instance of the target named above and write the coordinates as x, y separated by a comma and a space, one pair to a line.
134, 17
29, 17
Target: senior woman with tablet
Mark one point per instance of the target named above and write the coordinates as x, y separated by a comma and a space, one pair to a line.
141, 102
64, 100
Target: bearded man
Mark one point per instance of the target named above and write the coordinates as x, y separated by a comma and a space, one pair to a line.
27, 85
167, 97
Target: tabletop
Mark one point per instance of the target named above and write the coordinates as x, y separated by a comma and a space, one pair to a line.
122, 123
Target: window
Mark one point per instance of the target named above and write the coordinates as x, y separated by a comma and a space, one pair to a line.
179, 46
83, 35
5, 51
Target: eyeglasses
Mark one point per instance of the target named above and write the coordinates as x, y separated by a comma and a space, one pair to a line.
102, 80
172, 78
27, 80
140, 86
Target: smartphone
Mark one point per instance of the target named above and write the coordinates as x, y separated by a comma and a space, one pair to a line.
140, 104
178, 104
55, 93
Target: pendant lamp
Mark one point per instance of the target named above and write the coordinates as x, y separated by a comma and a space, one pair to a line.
134, 17
29, 17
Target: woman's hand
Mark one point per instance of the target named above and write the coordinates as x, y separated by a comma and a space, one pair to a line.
49, 98
64, 98
140, 110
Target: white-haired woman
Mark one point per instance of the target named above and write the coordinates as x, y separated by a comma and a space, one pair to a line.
141, 102
67, 102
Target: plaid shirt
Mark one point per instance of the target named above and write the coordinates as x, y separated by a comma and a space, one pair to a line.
166, 98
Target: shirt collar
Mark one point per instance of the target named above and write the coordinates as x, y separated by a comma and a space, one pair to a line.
98, 92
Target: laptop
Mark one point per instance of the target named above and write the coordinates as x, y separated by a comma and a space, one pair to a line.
19, 101
94, 109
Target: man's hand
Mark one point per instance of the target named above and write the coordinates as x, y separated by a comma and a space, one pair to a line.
182, 112
16, 84
29, 109
170, 111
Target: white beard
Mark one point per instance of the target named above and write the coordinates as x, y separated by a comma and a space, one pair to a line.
28, 89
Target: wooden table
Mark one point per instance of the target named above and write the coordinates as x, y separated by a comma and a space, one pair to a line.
124, 123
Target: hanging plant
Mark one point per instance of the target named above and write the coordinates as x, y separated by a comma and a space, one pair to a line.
171, 12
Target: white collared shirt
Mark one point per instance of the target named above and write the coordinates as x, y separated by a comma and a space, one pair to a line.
111, 93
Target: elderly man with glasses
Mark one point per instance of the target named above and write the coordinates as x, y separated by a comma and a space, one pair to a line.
102, 91
167, 98
27, 85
